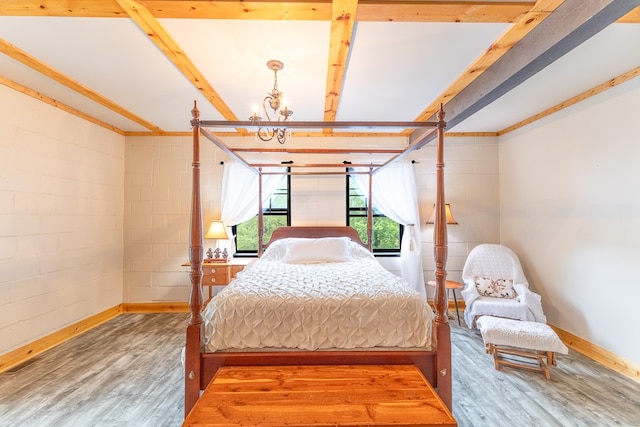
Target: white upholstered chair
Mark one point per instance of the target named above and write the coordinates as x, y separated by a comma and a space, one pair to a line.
495, 285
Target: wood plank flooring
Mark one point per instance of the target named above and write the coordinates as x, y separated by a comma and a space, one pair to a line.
128, 372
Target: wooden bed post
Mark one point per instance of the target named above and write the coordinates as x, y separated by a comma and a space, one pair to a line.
370, 213
196, 254
442, 329
260, 216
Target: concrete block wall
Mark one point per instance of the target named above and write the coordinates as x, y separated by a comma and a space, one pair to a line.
158, 203
61, 204
158, 181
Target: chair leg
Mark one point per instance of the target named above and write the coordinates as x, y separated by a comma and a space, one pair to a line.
455, 300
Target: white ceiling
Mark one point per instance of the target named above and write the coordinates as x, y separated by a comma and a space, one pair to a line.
393, 71
610, 53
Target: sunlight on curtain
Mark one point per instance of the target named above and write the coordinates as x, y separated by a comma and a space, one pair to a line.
240, 192
395, 196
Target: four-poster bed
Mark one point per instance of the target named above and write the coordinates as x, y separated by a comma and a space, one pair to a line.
433, 359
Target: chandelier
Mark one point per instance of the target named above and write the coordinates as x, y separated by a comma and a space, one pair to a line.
279, 109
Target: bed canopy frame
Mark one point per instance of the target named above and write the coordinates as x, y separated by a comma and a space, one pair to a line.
200, 367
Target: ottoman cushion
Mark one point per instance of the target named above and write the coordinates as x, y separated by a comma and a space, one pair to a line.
519, 333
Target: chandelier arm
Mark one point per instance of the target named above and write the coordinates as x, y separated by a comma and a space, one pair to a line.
267, 99
264, 134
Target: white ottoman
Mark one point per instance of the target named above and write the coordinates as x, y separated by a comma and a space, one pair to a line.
524, 340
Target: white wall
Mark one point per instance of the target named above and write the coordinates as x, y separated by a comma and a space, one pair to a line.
157, 214
158, 197
61, 200
570, 207
471, 187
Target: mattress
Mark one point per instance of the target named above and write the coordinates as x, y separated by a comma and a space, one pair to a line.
350, 302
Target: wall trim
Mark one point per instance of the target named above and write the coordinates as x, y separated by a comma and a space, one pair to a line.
599, 354
24, 353
622, 78
155, 307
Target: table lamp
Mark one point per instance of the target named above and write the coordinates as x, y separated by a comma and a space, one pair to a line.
447, 209
217, 231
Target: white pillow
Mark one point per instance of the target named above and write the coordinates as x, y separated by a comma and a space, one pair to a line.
311, 251
495, 288
275, 251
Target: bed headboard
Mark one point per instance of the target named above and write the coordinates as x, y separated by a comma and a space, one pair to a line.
315, 232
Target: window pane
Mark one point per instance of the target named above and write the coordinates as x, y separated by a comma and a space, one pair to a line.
275, 214
386, 232
360, 224
357, 202
247, 232
386, 235
278, 200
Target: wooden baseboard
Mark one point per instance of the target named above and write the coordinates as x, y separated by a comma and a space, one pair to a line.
461, 305
451, 305
599, 354
155, 307
24, 353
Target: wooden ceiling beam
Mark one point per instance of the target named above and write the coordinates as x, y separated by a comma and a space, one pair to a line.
569, 25
156, 32
64, 107
368, 10
371, 10
632, 17
509, 39
78, 8
256, 10
432, 11
342, 22
618, 80
44, 69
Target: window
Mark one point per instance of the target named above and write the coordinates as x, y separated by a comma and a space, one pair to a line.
276, 213
386, 234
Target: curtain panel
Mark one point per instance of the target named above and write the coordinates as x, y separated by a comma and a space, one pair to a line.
395, 196
240, 187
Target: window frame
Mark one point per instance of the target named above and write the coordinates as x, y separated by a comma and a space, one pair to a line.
364, 214
266, 211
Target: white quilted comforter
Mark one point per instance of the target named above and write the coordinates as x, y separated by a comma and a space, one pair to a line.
345, 305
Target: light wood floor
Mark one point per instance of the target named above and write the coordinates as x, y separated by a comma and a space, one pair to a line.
128, 372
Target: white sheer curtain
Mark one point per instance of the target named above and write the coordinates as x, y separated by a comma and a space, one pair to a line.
240, 192
395, 196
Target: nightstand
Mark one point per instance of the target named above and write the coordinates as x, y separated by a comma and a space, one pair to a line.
217, 273
450, 285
